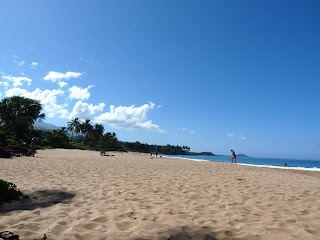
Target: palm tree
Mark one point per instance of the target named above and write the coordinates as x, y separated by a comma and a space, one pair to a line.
73, 125
61, 132
98, 130
78, 127
87, 127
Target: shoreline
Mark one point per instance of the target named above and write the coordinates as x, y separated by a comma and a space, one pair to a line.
311, 169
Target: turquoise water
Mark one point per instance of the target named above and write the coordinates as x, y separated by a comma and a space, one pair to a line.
297, 164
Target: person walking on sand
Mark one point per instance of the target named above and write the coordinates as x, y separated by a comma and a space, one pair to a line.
233, 156
33, 146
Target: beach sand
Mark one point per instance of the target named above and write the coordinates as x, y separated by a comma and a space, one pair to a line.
81, 195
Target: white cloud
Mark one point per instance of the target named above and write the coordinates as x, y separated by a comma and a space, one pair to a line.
34, 64
84, 110
79, 93
48, 99
83, 59
129, 117
236, 136
62, 84
88, 60
5, 84
17, 81
18, 60
159, 106
192, 132
57, 76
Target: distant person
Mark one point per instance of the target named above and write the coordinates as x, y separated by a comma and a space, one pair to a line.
33, 146
102, 153
285, 164
156, 154
233, 156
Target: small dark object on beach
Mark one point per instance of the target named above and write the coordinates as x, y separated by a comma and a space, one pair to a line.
44, 237
131, 215
170, 237
8, 235
5, 153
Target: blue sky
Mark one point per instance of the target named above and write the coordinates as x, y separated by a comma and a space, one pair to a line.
213, 75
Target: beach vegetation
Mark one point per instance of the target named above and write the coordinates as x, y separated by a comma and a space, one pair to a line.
9, 192
58, 138
73, 126
166, 149
17, 116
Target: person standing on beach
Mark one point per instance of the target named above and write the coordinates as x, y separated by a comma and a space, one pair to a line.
33, 146
233, 156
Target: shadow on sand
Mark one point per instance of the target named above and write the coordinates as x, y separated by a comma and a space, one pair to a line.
38, 199
185, 233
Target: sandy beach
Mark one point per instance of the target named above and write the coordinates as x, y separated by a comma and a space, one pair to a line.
78, 194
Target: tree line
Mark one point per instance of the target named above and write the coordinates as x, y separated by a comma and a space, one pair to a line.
18, 114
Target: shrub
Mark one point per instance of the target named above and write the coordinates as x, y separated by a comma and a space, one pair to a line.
9, 192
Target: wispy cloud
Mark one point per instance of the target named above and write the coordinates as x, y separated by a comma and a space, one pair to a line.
58, 76
62, 84
18, 60
17, 81
5, 84
232, 135
87, 60
189, 131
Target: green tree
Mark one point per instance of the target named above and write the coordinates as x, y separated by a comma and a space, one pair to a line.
73, 126
97, 133
86, 127
17, 115
166, 149
109, 142
59, 138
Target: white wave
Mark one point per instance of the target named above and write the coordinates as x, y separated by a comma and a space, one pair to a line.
282, 167
253, 165
192, 159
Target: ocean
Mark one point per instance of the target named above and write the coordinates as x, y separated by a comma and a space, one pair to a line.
296, 164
